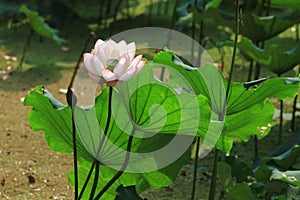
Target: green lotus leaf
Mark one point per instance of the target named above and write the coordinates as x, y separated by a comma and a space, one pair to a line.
241, 99
291, 4
251, 26
245, 104
282, 158
290, 177
184, 14
39, 25
55, 119
233, 190
271, 57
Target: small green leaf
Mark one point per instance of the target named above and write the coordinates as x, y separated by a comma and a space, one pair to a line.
224, 172
288, 152
240, 170
213, 4
39, 26
262, 173
240, 191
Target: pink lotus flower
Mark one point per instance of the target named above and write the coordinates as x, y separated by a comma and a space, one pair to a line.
113, 62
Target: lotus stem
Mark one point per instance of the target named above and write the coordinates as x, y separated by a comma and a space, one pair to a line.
215, 166
25, 49
88, 40
162, 74
167, 7
280, 122
71, 99
214, 176
158, 7
198, 138
87, 180
296, 97
195, 168
115, 17
294, 113
95, 183
234, 47
121, 171
250, 70
193, 33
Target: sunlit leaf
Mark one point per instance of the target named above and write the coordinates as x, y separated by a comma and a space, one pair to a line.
250, 121
243, 113
240, 99
39, 25
55, 119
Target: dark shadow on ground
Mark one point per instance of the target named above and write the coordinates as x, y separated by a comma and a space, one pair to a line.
38, 75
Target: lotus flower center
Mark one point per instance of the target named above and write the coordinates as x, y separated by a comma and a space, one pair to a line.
112, 63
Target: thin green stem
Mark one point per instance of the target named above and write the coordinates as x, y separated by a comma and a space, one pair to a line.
167, 7
280, 119
74, 155
91, 35
294, 113
109, 112
201, 36
158, 7
95, 183
127, 9
280, 122
150, 12
197, 64
121, 171
96, 163
234, 47
296, 97
86, 181
268, 7
25, 49
297, 32
100, 15
115, 17
214, 176
255, 148
193, 32
195, 168
162, 74
215, 166
71, 99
